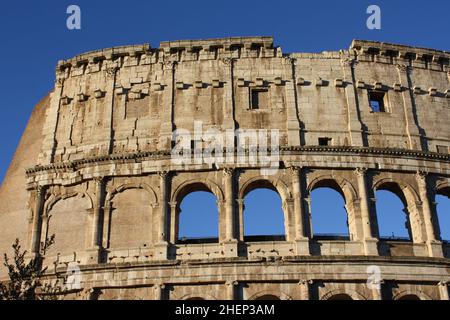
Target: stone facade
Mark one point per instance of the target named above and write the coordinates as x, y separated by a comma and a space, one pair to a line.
94, 168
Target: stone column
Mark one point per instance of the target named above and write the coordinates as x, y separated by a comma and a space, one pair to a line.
231, 290
434, 246
301, 237
376, 290
241, 208
354, 125
37, 220
293, 123
161, 246
110, 97
230, 245
173, 221
229, 204
95, 244
370, 243
412, 129
228, 101
159, 291
163, 178
443, 290
304, 289
168, 105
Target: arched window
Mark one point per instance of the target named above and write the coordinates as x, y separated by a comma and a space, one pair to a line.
328, 213
263, 215
198, 218
443, 211
392, 214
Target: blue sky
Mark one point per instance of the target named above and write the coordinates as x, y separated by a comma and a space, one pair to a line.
34, 36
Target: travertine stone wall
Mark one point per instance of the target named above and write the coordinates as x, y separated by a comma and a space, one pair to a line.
94, 168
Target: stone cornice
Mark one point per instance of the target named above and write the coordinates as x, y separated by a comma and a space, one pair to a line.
72, 166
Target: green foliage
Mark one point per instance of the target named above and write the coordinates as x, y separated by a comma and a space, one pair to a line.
25, 276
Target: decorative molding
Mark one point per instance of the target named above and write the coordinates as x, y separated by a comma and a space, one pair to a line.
72, 166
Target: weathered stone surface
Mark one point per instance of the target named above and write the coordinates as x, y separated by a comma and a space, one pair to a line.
94, 167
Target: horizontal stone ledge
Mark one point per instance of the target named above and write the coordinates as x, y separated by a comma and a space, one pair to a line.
285, 150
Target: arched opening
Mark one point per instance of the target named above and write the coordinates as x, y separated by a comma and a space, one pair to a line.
328, 212
409, 297
443, 212
131, 219
263, 214
198, 216
340, 296
392, 214
68, 220
268, 297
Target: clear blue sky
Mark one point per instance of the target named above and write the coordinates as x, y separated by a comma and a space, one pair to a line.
34, 36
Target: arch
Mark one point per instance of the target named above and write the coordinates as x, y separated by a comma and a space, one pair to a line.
411, 295
196, 185
341, 185
195, 296
53, 199
346, 190
443, 187
140, 221
340, 294
405, 191
181, 192
442, 209
276, 185
270, 295
410, 199
67, 216
194, 207
111, 193
272, 183
264, 216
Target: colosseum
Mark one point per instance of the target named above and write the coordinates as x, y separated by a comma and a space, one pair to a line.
95, 168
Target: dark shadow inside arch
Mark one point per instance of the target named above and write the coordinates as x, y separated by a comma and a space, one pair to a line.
198, 216
392, 215
442, 201
340, 296
410, 297
268, 297
328, 213
263, 214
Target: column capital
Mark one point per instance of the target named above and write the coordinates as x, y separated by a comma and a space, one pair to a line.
228, 172
159, 286
361, 171
173, 204
169, 65
352, 63
295, 168
421, 175
289, 59
443, 283
403, 67
98, 180
231, 283
40, 190
303, 282
228, 61
163, 174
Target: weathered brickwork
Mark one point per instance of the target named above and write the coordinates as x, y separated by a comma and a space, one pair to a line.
94, 168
